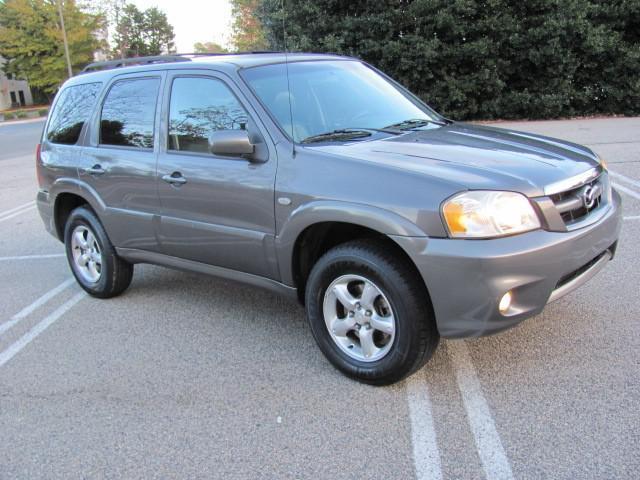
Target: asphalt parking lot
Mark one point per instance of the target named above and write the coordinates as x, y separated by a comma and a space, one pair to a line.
187, 376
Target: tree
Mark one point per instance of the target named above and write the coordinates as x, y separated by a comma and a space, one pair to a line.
31, 40
480, 58
159, 32
248, 34
208, 47
142, 33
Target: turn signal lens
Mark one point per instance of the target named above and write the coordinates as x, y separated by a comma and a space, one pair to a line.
603, 162
485, 214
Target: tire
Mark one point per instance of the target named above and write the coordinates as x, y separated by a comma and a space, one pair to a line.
401, 299
92, 257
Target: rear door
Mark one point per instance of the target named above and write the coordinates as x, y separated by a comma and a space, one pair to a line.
223, 211
119, 163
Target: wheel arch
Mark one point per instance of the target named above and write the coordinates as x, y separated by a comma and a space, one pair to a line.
314, 229
67, 195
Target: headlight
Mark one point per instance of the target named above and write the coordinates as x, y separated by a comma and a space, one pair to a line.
482, 214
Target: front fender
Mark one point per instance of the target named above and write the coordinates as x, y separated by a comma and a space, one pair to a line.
374, 218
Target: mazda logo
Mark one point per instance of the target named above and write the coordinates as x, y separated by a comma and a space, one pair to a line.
589, 195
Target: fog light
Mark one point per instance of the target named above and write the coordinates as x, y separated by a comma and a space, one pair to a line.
505, 303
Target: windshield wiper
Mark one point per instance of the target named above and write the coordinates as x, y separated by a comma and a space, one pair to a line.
347, 134
341, 134
414, 123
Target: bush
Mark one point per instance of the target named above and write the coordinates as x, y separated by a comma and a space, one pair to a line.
20, 114
486, 59
43, 112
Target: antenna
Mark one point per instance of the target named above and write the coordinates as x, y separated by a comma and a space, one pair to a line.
286, 65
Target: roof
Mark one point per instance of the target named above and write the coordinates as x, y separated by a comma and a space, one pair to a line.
170, 62
245, 60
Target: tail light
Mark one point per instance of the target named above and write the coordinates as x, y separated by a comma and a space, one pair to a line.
39, 165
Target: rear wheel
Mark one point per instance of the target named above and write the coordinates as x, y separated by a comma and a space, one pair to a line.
370, 313
92, 258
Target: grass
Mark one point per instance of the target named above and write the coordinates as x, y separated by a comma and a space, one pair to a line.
20, 113
25, 109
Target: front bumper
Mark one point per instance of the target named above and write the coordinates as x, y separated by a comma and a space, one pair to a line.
467, 278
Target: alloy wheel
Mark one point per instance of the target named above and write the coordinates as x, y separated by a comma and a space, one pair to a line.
87, 256
359, 318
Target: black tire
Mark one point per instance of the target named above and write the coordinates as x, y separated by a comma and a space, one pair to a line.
416, 335
115, 273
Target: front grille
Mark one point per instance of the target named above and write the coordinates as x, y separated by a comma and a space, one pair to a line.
571, 204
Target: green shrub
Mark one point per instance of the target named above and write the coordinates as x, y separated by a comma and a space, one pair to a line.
473, 59
21, 114
43, 112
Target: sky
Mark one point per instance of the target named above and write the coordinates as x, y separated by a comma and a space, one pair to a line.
195, 20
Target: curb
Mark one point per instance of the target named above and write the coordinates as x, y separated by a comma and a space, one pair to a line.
19, 122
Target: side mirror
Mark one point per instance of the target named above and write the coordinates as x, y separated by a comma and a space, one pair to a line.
231, 142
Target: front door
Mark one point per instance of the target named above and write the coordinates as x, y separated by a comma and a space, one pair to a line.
215, 209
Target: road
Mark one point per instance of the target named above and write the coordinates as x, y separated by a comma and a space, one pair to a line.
186, 376
20, 138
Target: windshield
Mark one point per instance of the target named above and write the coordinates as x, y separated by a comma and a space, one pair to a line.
327, 96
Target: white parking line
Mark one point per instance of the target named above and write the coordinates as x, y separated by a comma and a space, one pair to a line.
23, 341
632, 217
15, 214
32, 257
625, 179
426, 456
11, 210
494, 460
35, 305
628, 191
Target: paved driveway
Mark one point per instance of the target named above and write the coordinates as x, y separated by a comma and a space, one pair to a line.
186, 376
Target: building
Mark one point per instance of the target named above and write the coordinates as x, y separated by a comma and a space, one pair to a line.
13, 93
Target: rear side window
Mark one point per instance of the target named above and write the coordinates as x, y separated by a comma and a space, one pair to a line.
72, 110
128, 113
200, 106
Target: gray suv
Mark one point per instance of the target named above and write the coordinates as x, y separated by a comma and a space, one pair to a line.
319, 177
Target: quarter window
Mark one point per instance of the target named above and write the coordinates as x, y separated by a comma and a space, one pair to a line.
73, 108
128, 113
198, 107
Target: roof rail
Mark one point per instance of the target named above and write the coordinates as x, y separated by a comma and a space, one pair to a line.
176, 57
123, 62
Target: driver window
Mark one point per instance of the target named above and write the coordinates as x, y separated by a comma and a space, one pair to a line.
198, 107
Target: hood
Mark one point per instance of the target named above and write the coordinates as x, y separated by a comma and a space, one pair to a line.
474, 157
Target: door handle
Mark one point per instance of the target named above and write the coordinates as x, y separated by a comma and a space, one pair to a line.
95, 170
175, 178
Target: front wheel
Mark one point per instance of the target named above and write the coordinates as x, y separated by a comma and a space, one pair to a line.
370, 313
92, 257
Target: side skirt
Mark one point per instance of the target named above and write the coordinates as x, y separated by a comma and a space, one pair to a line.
143, 256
